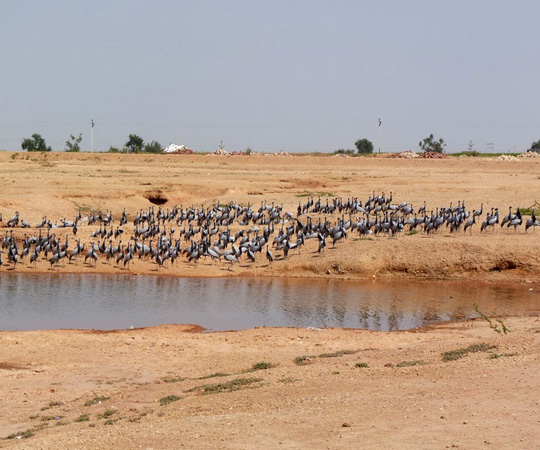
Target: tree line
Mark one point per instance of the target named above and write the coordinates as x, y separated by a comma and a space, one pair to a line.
136, 144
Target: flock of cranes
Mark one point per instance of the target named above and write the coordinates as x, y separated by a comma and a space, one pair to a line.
231, 232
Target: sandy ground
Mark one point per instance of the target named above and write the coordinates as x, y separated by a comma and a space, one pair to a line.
406, 397
487, 399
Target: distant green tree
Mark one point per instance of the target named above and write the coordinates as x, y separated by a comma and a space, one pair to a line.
343, 151
113, 149
153, 147
535, 146
35, 144
135, 144
364, 146
73, 144
429, 144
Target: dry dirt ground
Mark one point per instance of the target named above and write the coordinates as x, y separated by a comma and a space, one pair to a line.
80, 389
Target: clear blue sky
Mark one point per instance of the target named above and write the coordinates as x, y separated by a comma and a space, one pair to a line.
271, 75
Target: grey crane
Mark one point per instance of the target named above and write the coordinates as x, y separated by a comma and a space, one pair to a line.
269, 256
531, 222
470, 222
230, 258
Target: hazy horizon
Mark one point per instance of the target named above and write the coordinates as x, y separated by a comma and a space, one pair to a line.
299, 76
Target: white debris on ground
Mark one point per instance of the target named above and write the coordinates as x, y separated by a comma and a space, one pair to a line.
408, 154
178, 150
529, 154
281, 153
341, 155
221, 152
506, 158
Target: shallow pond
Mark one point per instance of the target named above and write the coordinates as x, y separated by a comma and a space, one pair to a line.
54, 301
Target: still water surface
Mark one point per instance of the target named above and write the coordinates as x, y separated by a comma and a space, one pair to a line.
54, 301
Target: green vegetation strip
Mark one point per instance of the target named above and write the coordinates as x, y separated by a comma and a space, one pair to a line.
214, 375
419, 362
501, 355
229, 386
96, 400
169, 399
338, 354
453, 355
21, 434
107, 413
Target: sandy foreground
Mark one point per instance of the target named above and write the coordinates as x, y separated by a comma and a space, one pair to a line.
406, 397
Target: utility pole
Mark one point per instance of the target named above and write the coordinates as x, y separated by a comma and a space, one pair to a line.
92, 137
379, 137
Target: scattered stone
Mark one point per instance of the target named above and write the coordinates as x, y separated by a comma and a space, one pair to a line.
409, 154
506, 158
529, 154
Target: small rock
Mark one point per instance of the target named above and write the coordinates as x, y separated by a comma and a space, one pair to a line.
346, 425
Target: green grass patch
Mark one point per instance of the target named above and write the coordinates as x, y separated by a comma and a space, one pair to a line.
107, 413
315, 194
362, 365
169, 399
527, 211
96, 400
214, 375
21, 434
501, 355
419, 362
83, 418
260, 366
338, 353
173, 380
48, 418
411, 232
229, 386
454, 355
303, 360
111, 421
51, 405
